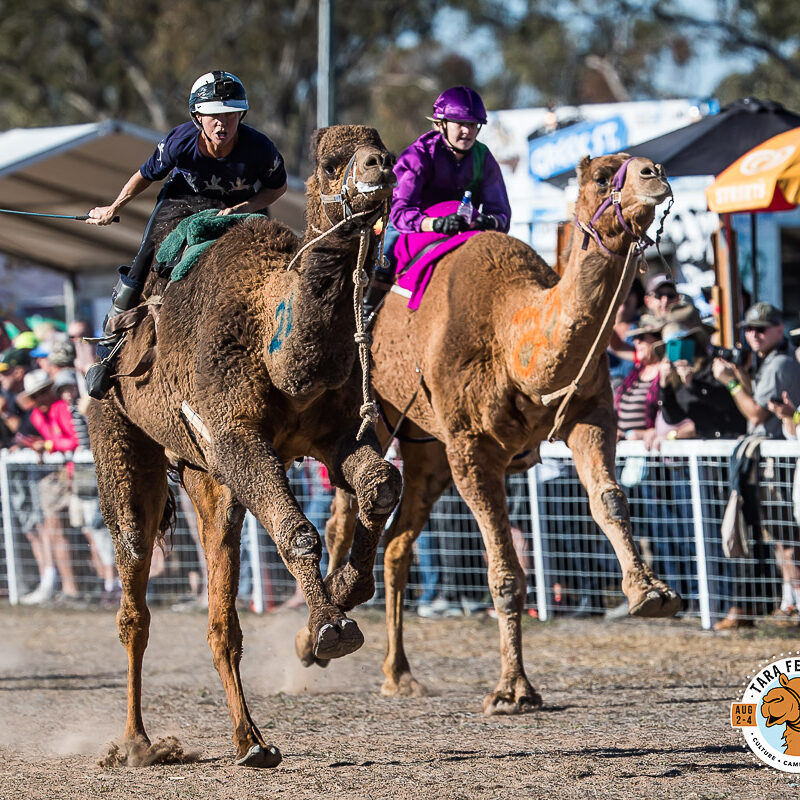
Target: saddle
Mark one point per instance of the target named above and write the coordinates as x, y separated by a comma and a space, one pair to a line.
192, 236
417, 254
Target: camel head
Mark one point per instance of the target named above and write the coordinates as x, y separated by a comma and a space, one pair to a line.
352, 176
782, 704
643, 186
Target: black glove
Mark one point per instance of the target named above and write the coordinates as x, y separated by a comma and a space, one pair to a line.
485, 222
450, 225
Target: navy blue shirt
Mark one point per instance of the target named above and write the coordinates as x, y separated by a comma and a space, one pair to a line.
252, 165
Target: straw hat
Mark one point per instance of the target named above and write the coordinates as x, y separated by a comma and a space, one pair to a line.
648, 323
35, 381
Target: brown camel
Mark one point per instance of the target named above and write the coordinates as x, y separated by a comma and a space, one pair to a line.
262, 360
496, 331
782, 706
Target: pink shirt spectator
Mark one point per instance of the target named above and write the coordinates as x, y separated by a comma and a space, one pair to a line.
56, 426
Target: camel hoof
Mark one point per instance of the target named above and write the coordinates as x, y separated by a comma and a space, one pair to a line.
498, 703
404, 686
304, 648
337, 639
260, 757
657, 604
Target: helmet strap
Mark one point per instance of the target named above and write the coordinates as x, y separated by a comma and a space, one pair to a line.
441, 124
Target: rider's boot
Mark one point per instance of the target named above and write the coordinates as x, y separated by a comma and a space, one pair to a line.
99, 376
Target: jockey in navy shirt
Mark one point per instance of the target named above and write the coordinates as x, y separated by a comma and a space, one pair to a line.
214, 156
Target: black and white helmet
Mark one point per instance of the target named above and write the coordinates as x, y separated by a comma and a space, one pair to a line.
217, 92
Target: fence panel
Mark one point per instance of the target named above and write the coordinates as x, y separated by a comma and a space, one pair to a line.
54, 541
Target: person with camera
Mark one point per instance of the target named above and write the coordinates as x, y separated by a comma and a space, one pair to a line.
775, 382
776, 371
687, 386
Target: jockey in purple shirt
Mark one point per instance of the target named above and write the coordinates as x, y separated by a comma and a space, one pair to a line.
237, 168
445, 162
441, 165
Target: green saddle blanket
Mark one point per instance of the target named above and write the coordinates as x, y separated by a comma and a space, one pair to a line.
192, 237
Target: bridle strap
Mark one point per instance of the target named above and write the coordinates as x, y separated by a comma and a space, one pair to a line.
342, 196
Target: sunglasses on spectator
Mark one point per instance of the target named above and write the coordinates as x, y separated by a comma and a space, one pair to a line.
752, 329
670, 294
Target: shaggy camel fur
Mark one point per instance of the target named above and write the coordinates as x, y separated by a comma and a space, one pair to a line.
497, 330
782, 706
266, 357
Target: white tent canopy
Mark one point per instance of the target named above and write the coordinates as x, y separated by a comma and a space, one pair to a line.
70, 169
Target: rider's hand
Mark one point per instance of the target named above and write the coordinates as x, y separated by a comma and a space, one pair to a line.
102, 215
485, 222
450, 225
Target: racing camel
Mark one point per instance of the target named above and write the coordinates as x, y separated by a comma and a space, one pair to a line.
496, 332
255, 366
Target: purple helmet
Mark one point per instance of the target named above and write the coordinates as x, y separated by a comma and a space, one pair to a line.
461, 104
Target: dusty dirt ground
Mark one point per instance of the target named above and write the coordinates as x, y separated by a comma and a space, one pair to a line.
632, 709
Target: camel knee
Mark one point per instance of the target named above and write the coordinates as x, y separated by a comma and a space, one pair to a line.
130, 546
301, 541
508, 595
616, 504
378, 490
225, 641
133, 624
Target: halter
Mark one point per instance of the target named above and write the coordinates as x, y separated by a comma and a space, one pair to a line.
342, 196
615, 199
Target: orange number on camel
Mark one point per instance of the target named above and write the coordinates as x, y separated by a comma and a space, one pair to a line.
540, 331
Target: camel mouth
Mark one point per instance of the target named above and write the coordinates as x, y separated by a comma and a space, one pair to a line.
654, 198
370, 188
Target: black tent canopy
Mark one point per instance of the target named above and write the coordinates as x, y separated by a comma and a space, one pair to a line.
69, 169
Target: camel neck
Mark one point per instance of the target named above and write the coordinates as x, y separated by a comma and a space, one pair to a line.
556, 329
314, 320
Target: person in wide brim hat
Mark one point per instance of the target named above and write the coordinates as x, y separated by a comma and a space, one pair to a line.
35, 382
684, 321
648, 323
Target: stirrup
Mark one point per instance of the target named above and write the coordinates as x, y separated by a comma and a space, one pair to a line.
99, 376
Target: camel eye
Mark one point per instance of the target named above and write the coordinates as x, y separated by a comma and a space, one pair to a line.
329, 168
601, 180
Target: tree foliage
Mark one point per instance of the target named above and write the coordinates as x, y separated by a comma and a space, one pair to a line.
68, 61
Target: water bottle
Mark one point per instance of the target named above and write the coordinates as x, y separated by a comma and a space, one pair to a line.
465, 207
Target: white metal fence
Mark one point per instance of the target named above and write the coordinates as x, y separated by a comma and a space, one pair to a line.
677, 499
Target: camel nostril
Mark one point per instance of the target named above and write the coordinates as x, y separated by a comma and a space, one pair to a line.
372, 161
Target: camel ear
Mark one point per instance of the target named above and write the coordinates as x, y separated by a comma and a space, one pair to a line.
582, 170
783, 680
316, 138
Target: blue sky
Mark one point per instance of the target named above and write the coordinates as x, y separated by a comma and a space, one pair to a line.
698, 78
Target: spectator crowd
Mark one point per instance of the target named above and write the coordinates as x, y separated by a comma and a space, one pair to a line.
669, 382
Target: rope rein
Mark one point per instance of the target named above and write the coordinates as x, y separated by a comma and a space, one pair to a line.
369, 410
568, 391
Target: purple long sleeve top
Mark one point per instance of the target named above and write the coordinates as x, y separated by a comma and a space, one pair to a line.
428, 173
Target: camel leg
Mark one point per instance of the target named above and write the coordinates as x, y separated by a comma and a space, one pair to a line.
220, 518
478, 473
593, 449
132, 485
426, 475
245, 462
376, 484
340, 528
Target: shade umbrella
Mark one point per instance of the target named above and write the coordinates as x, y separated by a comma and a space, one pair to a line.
708, 146
767, 178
